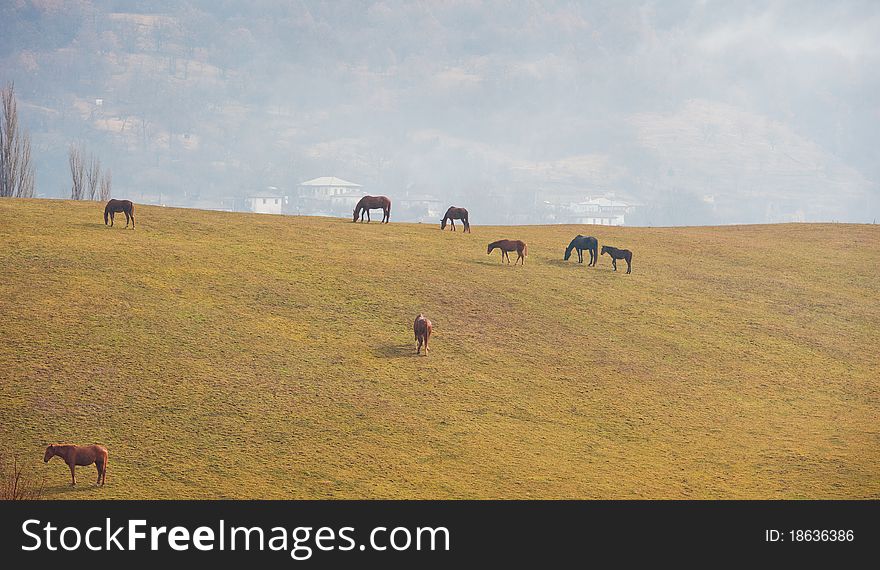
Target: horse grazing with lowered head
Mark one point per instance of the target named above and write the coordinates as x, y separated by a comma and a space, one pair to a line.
422, 328
368, 203
124, 206
75, 455
618, 254
506, 245
453, 214
580, 243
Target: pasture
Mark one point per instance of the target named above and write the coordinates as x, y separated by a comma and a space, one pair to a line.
222, 355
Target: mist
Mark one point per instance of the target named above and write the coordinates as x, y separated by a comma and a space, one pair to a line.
687, 113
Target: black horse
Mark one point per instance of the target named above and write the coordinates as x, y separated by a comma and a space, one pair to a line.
580, 243
453, 214
618, 254
124, 206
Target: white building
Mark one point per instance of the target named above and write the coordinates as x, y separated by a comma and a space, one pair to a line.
326, 187
328, 196
420, 207
598, 211
267, 203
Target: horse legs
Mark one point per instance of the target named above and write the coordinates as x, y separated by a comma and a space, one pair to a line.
72, 474
451, 221
132, 220
100, 466
386, 215
111, 218
127, 218
520, 258
628, 266
580, 255
419, 347
427, 337
614, 263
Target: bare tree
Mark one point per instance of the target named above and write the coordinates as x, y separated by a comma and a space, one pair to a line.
15, 485
77, 172
16, 167
106, 183
93, 176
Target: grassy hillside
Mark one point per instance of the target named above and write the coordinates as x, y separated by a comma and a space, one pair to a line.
229, 355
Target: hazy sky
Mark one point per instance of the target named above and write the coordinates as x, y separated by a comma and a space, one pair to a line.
704, 112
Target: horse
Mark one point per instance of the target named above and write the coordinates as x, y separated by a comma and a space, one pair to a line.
124, 206
506, 245
453, 214
75, 455
368, 203
580, 243
422, 328
618, 254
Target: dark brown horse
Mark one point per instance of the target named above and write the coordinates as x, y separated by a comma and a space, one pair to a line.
453, 214
124, 206
506, 245
368, 203
422, 328
75, 455
618, 254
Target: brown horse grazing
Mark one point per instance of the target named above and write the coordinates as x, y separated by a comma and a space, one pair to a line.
453, 214
368, 203
124, 206
422, 328
506, 245
75, 455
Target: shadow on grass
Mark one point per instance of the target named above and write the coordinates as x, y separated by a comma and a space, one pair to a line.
57, 491
395, 351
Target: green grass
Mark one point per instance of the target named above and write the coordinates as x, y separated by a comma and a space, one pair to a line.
247, 356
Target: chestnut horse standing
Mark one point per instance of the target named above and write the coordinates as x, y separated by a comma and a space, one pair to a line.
75, 455
453, 214
506, 245
422, 328
124, 206
368, 203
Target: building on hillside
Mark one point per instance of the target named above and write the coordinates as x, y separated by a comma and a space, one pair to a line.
419, 208
267, 203
328, 195
326, 187
598, 211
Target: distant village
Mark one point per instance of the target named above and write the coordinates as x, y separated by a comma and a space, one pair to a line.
335, 197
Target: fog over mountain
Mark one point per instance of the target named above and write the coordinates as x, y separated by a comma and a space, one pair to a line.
696, 112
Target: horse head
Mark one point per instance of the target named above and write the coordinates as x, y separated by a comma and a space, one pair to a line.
354, 216
50, 453
568, 252
443, 224
604, 250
